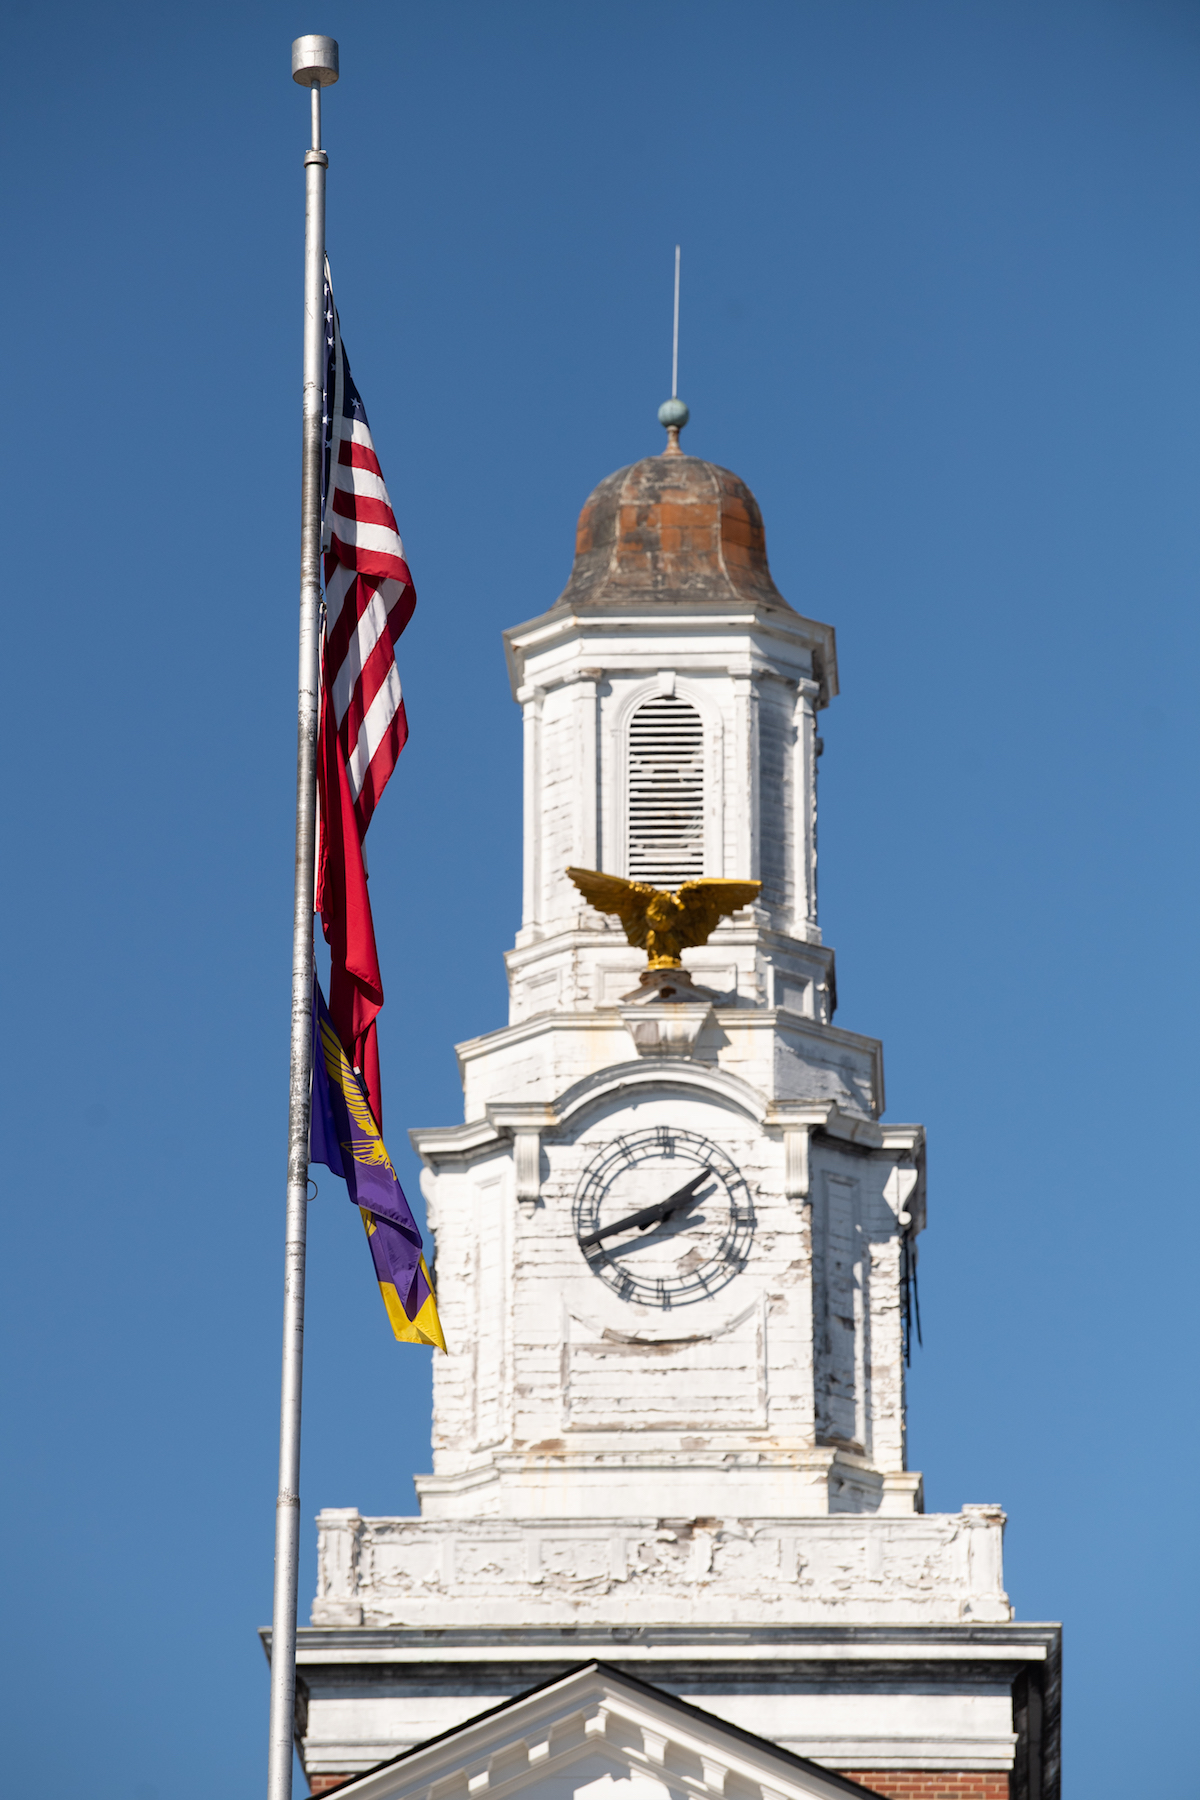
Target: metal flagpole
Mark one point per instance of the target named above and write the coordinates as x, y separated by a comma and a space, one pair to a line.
314, 65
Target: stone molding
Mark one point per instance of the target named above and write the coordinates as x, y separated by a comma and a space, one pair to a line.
833, 1693
922, 1569
540, 638
641, 1733
453, 1143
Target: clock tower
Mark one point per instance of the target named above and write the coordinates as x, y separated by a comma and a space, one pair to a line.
675, 1240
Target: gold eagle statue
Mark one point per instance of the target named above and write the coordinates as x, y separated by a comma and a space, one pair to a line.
660, 922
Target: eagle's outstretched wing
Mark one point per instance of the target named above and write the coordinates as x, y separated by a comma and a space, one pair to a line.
613, 894
358, 1109
707, 900
372, 1151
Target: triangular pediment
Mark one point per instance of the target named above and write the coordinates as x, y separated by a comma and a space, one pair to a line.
597, 1734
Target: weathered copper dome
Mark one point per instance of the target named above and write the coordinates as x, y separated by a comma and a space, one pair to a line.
672, 530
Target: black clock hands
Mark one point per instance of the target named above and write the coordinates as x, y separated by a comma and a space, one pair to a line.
691, 1244
681, 1201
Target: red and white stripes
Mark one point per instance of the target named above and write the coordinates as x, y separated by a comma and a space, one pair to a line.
369, 599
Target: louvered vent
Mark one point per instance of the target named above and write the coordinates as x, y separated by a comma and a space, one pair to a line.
666, 793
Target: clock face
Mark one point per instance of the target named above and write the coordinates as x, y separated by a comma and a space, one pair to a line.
663, 1216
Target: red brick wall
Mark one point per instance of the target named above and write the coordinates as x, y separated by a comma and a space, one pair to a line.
921, 1784
895, 1784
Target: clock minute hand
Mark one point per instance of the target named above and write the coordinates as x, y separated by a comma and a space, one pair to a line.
682, 1198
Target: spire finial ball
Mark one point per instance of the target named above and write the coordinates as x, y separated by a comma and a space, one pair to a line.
315, 61
674, 415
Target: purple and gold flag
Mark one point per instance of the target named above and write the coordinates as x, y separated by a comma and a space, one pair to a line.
344, 1136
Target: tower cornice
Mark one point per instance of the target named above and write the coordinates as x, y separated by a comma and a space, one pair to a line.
608, 642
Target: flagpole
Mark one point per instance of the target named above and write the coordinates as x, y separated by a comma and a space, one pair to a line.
314, 65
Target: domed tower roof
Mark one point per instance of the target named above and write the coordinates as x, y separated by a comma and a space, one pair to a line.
673, 531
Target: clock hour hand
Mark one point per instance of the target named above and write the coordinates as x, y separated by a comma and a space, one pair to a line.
682, 1200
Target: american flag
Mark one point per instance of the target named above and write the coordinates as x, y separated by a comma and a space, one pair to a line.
369, 593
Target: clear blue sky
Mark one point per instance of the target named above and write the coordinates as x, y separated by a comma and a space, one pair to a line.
942, 311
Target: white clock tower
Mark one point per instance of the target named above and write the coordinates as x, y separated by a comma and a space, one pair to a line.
679, 1445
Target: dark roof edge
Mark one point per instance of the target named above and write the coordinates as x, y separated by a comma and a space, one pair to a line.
965, 1631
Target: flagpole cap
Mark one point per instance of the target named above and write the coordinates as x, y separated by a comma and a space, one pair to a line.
315, 61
